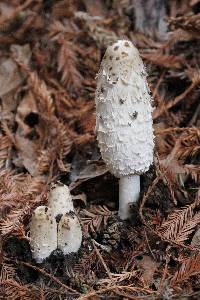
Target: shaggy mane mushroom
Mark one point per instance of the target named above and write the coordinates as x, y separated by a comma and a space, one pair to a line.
124, 120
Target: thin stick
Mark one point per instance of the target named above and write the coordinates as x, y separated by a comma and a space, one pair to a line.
43, 272
113, 288
148, 244
165, 107
164, 275
102, 261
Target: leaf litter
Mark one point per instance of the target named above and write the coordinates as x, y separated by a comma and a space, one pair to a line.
50, 53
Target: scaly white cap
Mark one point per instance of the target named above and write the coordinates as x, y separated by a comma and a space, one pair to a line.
123, 111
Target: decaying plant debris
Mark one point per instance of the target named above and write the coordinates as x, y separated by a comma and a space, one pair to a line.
50, 52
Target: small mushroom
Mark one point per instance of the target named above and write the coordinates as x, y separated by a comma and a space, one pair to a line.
60, 199
69, 233
124, 131
43, 233
56, 226
68, 228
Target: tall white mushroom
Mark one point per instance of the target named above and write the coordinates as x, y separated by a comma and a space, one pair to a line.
43, 233
124, 120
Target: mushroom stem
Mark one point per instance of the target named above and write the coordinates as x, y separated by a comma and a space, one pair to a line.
129, 191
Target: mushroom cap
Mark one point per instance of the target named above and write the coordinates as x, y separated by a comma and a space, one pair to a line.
41, 213
122, 50
43, 233
69, 233
60, 199
123, 111
121, 57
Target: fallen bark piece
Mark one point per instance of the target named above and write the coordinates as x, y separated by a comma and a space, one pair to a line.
43, 233
69, 233
124, 120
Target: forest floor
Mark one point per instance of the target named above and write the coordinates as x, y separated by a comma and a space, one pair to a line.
50, 53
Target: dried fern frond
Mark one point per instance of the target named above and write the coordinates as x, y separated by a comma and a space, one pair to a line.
8, 133
65, 27
52, 293
165, 106
95, 219
5, 147
180, 35
7, 271
194, 171
41, 92
167, 61
190, 23
180, 224
13, 223
188, 268
173, 130
84, 266
55, 142
12, 290
45, 158
32, 186
190, 146
63, 139
9, 194
59, 144
67, 65
19, 188
19, 193
183, 146
118, 278
102, 36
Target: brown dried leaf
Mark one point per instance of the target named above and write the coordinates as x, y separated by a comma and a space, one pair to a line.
88, 172
10, 75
